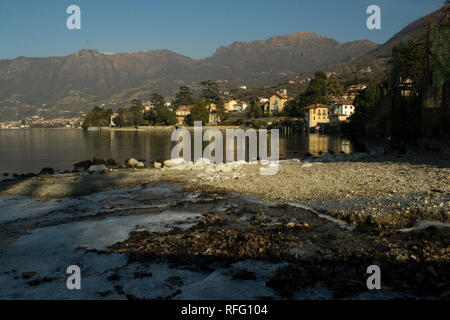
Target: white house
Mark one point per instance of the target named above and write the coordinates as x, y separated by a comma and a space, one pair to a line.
342, 107
240, 106
234, 105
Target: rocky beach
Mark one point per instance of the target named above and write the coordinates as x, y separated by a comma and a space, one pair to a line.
176, 230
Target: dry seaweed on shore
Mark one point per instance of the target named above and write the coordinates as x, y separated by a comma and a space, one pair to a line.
317, 250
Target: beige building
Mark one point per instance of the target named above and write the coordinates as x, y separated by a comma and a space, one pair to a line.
278, 101
316, 114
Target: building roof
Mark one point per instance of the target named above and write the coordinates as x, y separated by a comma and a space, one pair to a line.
343, 101
280, 95
315, 106
185, 108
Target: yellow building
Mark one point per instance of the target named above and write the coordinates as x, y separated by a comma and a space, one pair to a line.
214, 118
211, 107
277, 102
316, 114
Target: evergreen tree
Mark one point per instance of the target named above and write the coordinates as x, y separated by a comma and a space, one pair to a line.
136, 105
124, 119
407, 62
211, 95
198, 113
166, 117
441, 55
210, 92
367, 98
137, 112
97, 117
292, 109
157, 101
316, 91
183, 97
255, 110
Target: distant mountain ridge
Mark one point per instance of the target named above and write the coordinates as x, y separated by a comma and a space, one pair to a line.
292, 53
88, 77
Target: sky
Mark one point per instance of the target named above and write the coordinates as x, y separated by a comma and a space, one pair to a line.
195, 28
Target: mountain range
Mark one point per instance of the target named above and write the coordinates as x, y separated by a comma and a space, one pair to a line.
88, 77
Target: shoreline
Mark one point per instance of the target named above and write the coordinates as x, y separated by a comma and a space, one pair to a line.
139, 128
349, 187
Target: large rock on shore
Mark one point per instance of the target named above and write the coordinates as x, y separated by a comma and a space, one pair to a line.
157, 165
132, 163
140, 165
202, 161
83, 164
174, 162
100, 168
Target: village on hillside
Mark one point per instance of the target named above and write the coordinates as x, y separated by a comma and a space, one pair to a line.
314, 117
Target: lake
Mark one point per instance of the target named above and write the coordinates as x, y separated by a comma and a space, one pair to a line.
30, 150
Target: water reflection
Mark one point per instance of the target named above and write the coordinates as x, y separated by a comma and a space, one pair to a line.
23, 151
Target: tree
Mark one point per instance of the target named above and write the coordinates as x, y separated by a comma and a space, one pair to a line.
292, 109
211, 95
255, 110
441, 55
183, 97
367, 98
166, 117
367, 105
198, 113
136, 104
210, 92
408, 62
334, 86
124, 118
97, 117
137, 112
316, 91
157, 101
151, 116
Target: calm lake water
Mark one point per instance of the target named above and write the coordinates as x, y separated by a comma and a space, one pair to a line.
24, 151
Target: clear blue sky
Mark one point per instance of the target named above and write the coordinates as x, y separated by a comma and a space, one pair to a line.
195, 28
